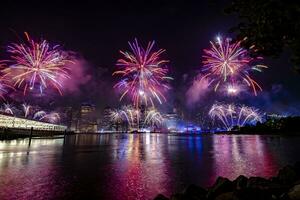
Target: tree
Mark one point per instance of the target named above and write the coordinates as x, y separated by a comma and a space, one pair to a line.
271, 25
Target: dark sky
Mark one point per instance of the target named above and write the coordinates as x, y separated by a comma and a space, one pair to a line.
97, 30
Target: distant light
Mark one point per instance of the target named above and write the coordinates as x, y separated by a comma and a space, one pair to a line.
145, 130
232, 89
141, 92
218, 39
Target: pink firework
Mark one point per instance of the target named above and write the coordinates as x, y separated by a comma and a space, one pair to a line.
26, 109
143, 74
52, 117
37, 65
5, 85
8, 108
227, 61
231, 115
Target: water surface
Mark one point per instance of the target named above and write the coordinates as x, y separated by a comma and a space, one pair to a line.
134, 166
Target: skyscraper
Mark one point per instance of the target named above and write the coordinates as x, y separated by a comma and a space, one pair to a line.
88, 121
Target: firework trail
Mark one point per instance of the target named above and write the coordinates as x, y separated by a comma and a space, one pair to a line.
37, 65
8, 108
52, 117
124, 114
26, 109
39, 114
4, 87
227, 61
116, 115
153, 118
143, 74
132, 117
231, 115
4, 82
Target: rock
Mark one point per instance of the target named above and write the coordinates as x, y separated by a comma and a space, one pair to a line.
222, 185
276, 189
240, 182
297, 169
297, 182
294, 193
287, 175
227, 196
258, 182
253, 194
160, 197
178, 196
194, 192
274, 179
267, 186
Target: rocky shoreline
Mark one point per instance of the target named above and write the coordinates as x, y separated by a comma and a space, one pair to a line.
284, 186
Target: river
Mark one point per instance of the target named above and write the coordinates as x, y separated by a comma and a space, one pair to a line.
134, 166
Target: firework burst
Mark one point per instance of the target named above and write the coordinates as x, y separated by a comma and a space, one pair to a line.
8, 108
39, 114
153, 118
52, 117
143, 74
231, 115
37, 65
116, 115
5, 85
125, 115
227, 61
133, 117
26, 109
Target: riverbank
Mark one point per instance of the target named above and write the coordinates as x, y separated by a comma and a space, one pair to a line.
17, 133
259, 132
285, 186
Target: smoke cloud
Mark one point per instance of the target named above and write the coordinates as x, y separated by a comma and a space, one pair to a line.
197, 90
79, 75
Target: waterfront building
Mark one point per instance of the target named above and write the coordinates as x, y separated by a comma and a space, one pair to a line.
66, 116
171, 121
75, 121
87, 121
105, 123
8, 121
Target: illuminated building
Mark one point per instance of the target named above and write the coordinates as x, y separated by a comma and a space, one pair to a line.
87, 122
75, 121
7, 121
171, 121
274, 116
86, 110
105, 121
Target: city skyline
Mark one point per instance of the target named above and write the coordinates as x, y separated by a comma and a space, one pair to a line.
155, 99
97, 55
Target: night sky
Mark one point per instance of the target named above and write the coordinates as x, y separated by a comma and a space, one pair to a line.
97, 31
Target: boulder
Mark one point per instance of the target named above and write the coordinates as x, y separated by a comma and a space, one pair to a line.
294, 193
297, 169
195, 192
258, 182
178, 196
287, 175
253, 194
160, 197
267, 186
297, 182
222, 185
276, 189
227, 196
274, 179
240, 182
